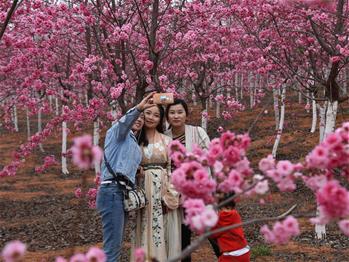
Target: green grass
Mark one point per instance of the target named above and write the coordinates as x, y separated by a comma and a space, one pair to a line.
260, 250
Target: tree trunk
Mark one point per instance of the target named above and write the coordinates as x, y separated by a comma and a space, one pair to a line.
28, 123
251, 89
50, 102
276, 107
15, 118
218, 109
40, 129
241, 86
314, 119
57, 106
64, 148
281, 124
328, 118
236, 84
204, 117
96, 142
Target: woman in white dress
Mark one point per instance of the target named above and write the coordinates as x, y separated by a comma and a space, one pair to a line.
156, 224
188, 135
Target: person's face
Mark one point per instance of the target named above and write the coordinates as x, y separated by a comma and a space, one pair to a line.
151, 117
138, 124
177, 116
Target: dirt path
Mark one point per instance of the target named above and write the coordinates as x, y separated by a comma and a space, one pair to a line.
42, 211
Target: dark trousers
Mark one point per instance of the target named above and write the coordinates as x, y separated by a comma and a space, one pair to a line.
186, 236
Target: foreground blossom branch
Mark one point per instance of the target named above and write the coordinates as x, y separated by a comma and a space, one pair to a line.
231, 198
204, 236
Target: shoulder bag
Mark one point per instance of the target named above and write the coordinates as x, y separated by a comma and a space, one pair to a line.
134, 196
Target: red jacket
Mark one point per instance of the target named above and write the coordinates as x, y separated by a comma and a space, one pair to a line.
232, 239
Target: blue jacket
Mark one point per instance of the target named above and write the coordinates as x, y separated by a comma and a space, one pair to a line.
121, 148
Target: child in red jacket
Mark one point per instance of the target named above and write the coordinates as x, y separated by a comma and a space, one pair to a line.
232, 243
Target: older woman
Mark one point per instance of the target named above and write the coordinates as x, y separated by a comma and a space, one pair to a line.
188, 135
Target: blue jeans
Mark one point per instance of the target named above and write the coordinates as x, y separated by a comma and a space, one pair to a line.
111, 208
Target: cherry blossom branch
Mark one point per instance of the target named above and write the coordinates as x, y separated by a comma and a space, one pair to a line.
229, 199
203, 237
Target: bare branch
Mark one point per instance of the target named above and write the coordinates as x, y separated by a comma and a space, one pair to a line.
8, 18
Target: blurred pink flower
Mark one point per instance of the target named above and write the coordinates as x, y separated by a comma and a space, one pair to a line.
344, 226
266, 164
78, 258
95, 254
13, 251
139, 255
60, 259
84, 153
333, 200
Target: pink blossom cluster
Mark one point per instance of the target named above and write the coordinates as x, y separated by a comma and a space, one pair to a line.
139, 255
333, 202
332, 153
48, 162
13, 251
94, 254
283, 172
91, 194
193, 181
282, 232
85, 154
225, 156
198, 216
25, 149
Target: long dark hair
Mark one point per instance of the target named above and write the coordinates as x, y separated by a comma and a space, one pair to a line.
142, 139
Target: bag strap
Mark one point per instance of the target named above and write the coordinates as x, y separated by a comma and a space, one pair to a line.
123, 180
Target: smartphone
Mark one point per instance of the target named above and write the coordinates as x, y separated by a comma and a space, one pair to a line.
163, 98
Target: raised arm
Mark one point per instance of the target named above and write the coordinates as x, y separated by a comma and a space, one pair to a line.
124, 125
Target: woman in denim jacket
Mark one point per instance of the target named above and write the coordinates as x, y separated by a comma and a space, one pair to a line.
124, 156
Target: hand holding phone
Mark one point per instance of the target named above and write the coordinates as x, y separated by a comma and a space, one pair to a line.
163, 98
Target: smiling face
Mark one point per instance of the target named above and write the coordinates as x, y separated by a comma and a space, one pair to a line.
176, 115
138, 124
152, 117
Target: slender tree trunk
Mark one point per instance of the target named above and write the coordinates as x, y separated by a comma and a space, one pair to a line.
299, 97
276, 107
57, 106
204, 117
64, 148
308, 102
96, 131
40, 128
241, 87
345, 82
328, 117
218, 109
28, 123
314, 118
15, 118
50, 102
281, 124
251, 89
236, 84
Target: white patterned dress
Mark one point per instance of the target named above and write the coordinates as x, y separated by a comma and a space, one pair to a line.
153, 228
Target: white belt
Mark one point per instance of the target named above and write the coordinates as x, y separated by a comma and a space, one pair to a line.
238, 252
108, 182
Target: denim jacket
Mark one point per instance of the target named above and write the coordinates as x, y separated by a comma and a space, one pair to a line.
121, 148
